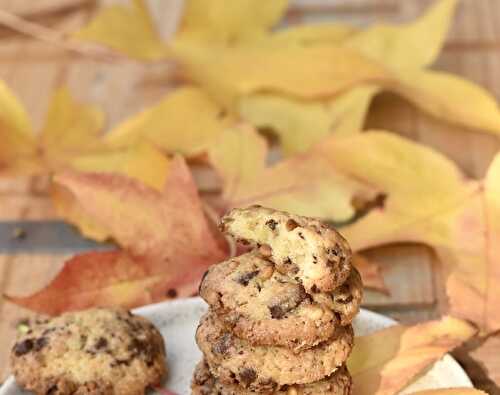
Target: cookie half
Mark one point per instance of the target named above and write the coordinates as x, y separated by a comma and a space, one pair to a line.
99, 351
304, 248
204, 383
266, 307
264, 368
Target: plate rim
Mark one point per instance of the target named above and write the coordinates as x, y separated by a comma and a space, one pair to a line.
195, 301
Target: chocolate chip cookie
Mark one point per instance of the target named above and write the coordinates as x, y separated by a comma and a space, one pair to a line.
339, 383
265, 368
98, 351
304, 248
265, 307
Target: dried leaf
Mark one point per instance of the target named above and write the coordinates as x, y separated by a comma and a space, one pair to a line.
143, 163
18, 148
304, 184
371, 273
312, 34
302, 124
71, 129
186, 121
429, 200
167, 244
387, 361
128, 29
318, 71
441, 95
84, 122
114, 278
229, 22
145, 221
407, 46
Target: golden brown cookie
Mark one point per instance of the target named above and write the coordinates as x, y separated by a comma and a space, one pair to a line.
266, 307
339, 383
264, 368
98, 351
304, 248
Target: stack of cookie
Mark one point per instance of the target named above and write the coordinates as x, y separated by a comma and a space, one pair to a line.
280, 315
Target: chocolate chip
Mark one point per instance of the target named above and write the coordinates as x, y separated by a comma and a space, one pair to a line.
171, 293
291, 225
277, 311
23, 347
247, 376
223, 344
345, 300
287, 261
314, 289
101, 343
272, 224
315, 259
40, 343
245, 278
301, 236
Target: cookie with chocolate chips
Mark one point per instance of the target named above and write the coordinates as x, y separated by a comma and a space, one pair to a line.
266, 307
99, 351
304, 248
267, 368
338, 383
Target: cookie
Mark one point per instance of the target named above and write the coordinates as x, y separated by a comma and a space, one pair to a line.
304, 248
264, 368
339, 383
266, 307
98, 351
345, 300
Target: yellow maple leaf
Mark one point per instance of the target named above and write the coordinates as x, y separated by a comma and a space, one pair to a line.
71, 128
186, 122
128, 29
301, 124
407, 46
304, 184
307, 72
312, 34
429, 200
228, 23
387, 361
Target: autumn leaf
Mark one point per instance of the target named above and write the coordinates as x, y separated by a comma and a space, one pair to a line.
18, 148
128, 29
71, 129
407, 46
143, 162
311, 34
429, 200
228, 23
387, 361
304, 184
314, 72
186, 121
166, 240
301, 124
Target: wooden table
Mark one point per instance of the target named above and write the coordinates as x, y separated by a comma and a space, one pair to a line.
33, 69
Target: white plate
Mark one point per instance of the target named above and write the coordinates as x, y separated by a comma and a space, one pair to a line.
178, 320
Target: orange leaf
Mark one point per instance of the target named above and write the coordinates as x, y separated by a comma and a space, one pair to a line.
166, 239
387, 361
114, 278
429, 200
146, 221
